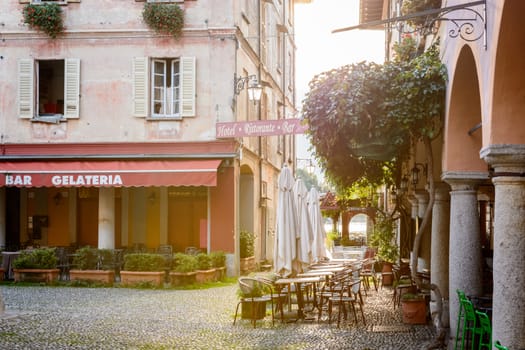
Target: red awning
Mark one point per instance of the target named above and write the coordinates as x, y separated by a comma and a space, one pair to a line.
114, 173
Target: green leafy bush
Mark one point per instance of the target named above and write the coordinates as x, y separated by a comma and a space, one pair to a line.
41, 258
46, 17
86, 258
203, 261
164, 18
89, 258
218, 259
247, 244
144, 262
184, 262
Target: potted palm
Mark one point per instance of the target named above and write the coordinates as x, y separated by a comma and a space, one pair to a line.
143, 268
94, 265
183, 269
36, 265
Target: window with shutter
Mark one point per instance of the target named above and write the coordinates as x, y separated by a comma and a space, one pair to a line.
172, 87
49, 90
26, 70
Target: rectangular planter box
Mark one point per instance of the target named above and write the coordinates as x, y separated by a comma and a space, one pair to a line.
156, 278
203, 276
36, 275
103, 276
220, 273
182, 278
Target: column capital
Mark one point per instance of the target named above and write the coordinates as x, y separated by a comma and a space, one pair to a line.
442, 191
465, 180
505, 158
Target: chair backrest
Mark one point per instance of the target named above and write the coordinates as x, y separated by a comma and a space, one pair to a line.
461, 295
470, 314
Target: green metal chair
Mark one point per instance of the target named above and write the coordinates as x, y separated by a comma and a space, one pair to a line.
461, 316
499, 346
469, 323
484, 331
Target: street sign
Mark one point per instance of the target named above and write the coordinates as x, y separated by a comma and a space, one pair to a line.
259, 128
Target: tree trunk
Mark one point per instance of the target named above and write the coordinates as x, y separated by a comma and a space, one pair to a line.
426, 223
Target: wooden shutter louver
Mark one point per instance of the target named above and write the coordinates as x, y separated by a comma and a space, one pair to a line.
140, 87
26, 89
72, 88
187, 86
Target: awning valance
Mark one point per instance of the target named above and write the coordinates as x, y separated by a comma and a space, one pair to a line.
113, 173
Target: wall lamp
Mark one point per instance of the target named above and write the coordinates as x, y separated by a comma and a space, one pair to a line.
254, 88
415, 172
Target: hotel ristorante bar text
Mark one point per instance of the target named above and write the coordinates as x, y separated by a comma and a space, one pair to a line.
260, 128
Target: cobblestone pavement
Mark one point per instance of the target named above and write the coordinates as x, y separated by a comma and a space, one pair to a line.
120, 318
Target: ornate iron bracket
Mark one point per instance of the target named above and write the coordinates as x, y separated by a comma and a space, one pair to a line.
470, 28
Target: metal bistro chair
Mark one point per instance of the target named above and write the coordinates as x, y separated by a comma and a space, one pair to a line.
469, 323
484, 331
461, 315
252, 288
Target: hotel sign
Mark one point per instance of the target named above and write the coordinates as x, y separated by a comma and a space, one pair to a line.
260, 128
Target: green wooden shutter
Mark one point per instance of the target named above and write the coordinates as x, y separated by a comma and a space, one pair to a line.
187, 86
72, 88
26, 88
140, 87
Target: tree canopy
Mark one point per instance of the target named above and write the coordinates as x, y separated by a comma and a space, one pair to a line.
363, 117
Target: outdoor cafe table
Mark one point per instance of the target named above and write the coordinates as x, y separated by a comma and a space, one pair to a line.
331, 268
298, 282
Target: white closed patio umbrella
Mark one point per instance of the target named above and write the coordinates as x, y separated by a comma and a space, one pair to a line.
305, 239
285, 250
319, 251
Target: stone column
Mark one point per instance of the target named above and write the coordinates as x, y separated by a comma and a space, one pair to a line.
440, 244
424, 248
465, 258
106, 218
508, 318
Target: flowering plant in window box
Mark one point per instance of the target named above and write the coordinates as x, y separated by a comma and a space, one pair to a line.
46, 17
164, 18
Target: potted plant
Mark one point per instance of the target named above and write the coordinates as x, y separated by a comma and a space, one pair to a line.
247, 251
146, 268
414, 308
46, 17
91, 264
183, 269
204, 272
36, 265
383, 238
164, 18
218, 262
250, 292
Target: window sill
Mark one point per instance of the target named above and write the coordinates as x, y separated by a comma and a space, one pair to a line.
163, 118
49, 118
